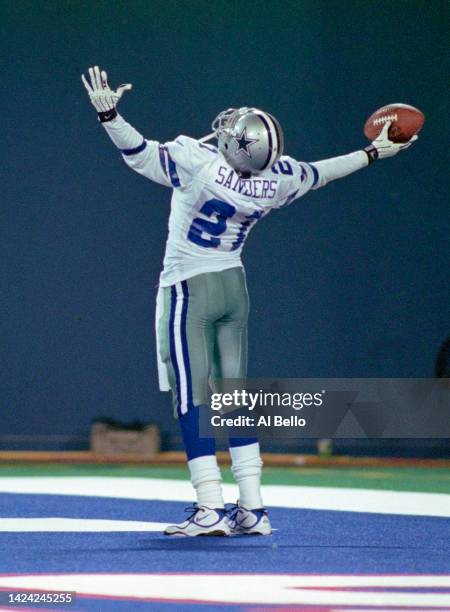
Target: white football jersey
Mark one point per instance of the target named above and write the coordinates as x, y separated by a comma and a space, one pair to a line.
213, 209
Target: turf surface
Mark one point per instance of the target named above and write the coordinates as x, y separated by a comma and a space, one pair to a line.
306, 541
312, 542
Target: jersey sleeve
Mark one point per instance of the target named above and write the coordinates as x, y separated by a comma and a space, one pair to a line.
339, 167
301, 177
172, 164
296, 179
183, 158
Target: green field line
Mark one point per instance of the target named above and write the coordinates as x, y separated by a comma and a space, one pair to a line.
425, 480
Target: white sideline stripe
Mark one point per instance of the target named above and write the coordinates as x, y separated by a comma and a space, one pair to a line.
255, 588
76, 524
314, 498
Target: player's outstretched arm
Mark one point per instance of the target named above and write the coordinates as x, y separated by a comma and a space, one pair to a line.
143, 156
337, 167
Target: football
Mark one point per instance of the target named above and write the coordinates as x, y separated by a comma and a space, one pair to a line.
406, 121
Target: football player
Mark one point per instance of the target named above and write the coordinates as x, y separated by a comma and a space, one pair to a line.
219, 194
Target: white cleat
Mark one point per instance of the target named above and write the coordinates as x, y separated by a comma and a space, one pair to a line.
203, 521
249, 522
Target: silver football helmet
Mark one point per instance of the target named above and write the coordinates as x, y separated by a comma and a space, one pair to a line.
250, 139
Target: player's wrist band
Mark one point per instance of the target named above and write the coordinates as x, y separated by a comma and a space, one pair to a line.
372, 153
105, 116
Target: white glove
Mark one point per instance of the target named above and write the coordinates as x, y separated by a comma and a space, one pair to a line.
102, 97
385, 147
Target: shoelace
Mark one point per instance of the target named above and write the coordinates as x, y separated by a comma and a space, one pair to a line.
193, 510
232, 511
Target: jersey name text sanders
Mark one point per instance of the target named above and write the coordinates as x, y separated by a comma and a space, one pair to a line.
254, 187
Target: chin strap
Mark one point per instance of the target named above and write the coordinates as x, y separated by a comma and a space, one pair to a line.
208, 137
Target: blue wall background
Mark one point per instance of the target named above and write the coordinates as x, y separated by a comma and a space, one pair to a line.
353, 280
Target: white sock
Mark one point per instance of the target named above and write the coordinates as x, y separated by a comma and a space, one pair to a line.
247, 467
207, 481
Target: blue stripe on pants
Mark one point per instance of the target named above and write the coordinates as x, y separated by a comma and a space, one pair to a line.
173, 354
179, 349
184, 342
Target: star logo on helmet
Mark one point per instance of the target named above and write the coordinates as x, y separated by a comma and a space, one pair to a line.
243, 143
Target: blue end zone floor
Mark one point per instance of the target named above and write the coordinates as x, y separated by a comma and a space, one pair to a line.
306, 542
